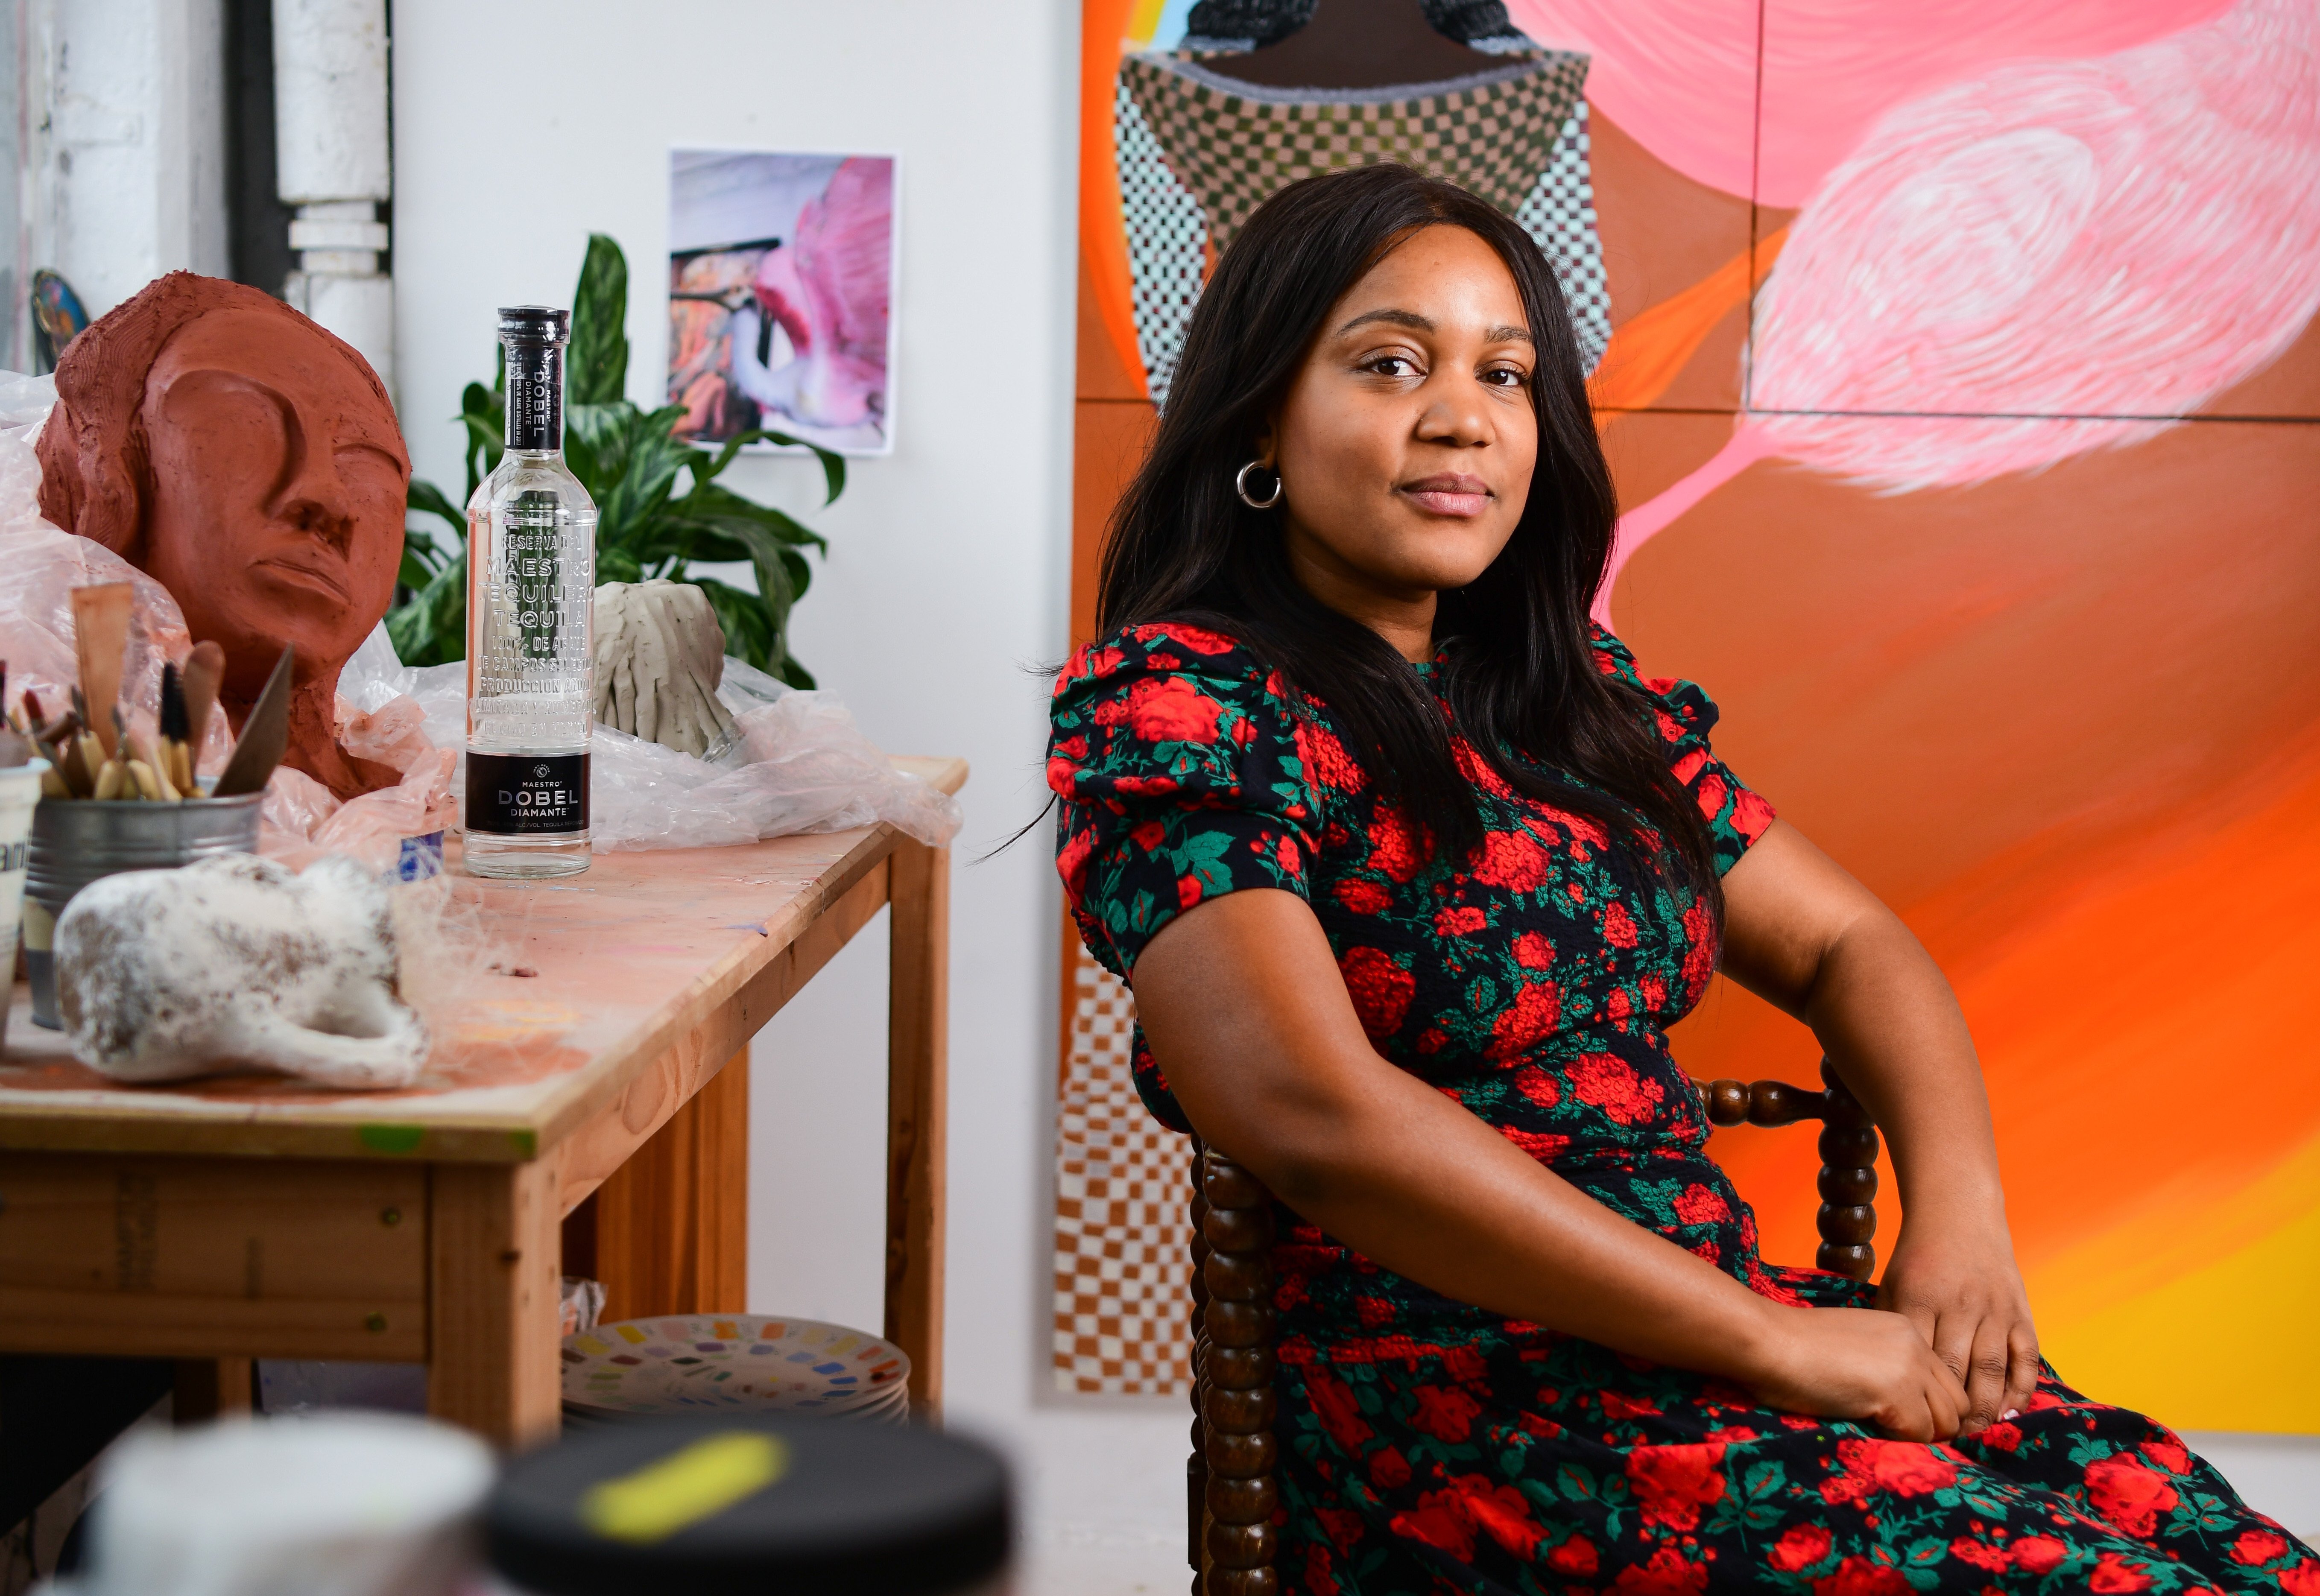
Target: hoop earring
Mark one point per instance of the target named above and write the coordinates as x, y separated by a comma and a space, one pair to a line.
1240, 487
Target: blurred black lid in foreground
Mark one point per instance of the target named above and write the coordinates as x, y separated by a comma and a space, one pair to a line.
795, 1506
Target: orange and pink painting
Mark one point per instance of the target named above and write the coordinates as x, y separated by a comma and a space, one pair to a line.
1963, 395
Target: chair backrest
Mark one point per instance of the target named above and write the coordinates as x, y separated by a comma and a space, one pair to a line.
1232, 1487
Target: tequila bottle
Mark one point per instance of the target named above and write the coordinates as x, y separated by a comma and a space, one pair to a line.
531, 572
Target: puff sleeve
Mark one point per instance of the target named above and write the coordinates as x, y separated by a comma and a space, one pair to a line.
1684, 716
1175, 753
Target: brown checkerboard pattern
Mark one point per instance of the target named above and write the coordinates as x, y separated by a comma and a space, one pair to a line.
1233, 147
1122, 1182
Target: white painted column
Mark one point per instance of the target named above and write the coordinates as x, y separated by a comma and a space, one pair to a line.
332, 163
124, 145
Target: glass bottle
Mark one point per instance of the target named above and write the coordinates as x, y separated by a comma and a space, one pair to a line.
531, 573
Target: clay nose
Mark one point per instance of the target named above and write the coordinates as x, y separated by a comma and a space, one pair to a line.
315, 499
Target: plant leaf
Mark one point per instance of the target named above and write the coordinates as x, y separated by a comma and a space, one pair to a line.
429, 500
483, 411
432, 628
597, 364
748, 632
833, 464
655, 457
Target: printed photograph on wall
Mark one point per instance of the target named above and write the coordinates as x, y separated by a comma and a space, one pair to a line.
781, 288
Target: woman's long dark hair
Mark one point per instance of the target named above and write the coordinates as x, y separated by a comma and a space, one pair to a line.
1518, 670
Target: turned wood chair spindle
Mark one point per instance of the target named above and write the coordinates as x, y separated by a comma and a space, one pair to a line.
1847, 1220
1231, 1487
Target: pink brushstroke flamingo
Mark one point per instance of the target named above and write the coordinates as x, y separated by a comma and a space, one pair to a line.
828, 288
1682, 76
2111, 242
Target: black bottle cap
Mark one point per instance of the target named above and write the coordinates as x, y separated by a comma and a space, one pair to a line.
535, 323
805, 1507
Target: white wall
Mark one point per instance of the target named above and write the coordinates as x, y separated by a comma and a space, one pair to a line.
521, 126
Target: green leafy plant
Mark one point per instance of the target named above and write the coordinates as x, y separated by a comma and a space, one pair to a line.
630, 460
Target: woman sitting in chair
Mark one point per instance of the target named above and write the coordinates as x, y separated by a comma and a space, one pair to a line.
1411, 869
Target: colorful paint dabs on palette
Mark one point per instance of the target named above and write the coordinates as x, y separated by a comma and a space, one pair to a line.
685, 1363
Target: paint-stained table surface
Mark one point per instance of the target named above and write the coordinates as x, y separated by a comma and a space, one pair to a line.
573, 1023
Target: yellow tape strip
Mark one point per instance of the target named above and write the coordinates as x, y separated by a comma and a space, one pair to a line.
679, 1490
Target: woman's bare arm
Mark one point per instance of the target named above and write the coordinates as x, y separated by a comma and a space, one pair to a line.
1805, 936
1250, 1021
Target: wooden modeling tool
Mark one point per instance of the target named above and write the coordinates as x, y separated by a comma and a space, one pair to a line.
78, 777
100, 638
148, 777
204, 669
265, 736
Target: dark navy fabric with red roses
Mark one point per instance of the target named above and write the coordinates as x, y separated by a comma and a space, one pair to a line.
1431, 1446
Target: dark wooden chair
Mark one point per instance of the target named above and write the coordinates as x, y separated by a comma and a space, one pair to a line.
1232, 1488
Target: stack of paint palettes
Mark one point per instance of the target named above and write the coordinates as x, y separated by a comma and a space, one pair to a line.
731, 1362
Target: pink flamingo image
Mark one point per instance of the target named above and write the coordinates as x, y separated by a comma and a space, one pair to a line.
826, 289
2111, 240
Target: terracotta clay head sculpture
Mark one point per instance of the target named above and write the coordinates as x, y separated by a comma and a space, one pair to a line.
250, 463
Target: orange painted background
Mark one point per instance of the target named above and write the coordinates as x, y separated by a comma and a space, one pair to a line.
2066, 721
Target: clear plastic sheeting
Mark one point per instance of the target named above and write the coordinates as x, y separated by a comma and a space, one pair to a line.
800, 764
40, 566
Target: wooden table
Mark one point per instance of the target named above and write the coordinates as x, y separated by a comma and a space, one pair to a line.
582, 1034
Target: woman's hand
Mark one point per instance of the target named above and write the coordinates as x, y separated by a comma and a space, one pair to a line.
1960, 1288
1855, 1363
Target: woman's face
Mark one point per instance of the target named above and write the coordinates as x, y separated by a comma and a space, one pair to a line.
280, 480
1406, 443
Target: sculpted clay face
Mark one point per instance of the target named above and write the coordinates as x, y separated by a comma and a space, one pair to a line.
276, 499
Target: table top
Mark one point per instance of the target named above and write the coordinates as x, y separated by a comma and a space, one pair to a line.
544, 1000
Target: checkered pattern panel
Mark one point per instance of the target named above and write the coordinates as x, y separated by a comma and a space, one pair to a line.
1559, 213
1233, 146
1122, 1186
1167, 243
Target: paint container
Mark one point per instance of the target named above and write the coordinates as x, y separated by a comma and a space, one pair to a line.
20, 792
78, 840
805, 1507
341, 1504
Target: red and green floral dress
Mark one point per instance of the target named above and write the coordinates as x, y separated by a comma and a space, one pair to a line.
1430, 1446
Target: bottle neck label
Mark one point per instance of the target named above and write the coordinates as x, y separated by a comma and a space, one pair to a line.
526, 794
535, 398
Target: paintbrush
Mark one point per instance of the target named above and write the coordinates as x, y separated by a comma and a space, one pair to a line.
204, 670
63, 738
145, 767
177, 761
265, 734
100, 638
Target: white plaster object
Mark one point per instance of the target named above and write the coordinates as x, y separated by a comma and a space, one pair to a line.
660, 656
321, 1504
234, 962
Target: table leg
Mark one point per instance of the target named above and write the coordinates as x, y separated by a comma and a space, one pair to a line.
917, 1111
495, 1255
672, 1223
210, 1388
